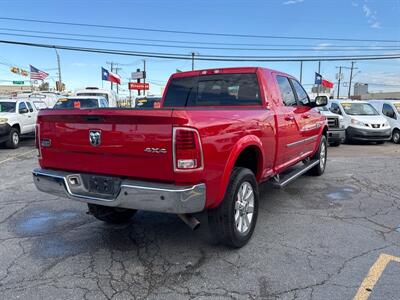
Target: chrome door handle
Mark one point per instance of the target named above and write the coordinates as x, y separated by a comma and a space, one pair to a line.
289, 118
307, 116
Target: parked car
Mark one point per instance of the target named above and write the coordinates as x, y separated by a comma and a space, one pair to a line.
361, 121
81, 102
218, 135
17, 117
110, 96
336, 131
390, 109
147, 102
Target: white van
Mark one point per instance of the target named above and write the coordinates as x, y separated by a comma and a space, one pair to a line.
361, 121
110, 96
390, 109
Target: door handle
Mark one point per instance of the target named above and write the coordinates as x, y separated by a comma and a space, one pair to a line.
306, 116
29, 116
289, 118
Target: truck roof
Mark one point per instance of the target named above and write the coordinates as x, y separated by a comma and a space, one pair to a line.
224, 71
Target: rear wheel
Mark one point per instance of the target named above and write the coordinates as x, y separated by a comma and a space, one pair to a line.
396, 136
233, 222
14, 138
322, 155
112, 215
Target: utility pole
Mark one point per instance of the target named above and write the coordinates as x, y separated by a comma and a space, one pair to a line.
319, 72
144, 76
59, 71
339, 78
138, 81
192, 61
351, 77
116, 72
301, 72
111, 63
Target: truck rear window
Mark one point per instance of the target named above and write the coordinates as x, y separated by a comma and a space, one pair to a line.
214, 90
76, 103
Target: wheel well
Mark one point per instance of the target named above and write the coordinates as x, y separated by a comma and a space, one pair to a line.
16, 126
249, 158
325, 132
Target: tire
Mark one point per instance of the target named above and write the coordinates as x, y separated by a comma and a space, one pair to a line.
334, 144
322, 155
227, 222
396, 136
111, 215
13, 140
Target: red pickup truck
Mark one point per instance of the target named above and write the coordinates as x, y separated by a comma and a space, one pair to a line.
218, 134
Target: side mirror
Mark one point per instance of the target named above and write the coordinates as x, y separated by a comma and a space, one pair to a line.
319, 101
23, 111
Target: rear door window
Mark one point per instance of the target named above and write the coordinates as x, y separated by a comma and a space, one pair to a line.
286, 90
214, 90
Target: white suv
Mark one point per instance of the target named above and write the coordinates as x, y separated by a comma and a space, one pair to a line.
17, 117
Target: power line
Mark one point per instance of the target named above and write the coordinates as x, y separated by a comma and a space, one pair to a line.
195, 42
197, 47
198, 33
209, 57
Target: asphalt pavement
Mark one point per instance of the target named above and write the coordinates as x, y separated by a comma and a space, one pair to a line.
331, 237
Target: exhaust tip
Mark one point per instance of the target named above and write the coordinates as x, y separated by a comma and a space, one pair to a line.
190, 221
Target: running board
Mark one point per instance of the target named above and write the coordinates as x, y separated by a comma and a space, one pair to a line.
283, 179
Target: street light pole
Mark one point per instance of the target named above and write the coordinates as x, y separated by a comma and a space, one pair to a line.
59, 71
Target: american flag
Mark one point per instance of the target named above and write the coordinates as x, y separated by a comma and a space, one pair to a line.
36, 74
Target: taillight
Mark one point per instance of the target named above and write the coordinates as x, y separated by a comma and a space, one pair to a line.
37, 139
188, 153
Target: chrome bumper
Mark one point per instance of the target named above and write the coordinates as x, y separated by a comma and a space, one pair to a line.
141, 195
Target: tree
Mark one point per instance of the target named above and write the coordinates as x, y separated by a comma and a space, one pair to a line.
44, 86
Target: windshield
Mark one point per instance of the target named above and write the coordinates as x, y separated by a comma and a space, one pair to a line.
93, 94
76, 103
397, 106
359, 109
7, 107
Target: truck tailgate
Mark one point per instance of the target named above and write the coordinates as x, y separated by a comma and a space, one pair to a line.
132, 143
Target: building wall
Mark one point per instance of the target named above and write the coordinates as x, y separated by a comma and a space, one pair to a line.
8, 89
381, 96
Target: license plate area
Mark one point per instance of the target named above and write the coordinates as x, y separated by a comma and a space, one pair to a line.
102, 185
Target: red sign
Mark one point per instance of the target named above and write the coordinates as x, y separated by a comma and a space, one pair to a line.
138, 86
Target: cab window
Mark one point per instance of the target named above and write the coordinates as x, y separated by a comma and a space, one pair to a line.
388, 111
22, 105
302, 96
335, 109
29, 106
286, 90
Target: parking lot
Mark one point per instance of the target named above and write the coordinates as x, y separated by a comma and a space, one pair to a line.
331, 237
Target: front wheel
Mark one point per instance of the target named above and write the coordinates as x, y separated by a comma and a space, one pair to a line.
112, 215
396, 136
233, 222
321, 155
14, 138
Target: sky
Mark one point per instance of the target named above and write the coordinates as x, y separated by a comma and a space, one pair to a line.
349, 19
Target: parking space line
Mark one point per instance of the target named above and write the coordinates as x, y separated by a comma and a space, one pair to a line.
13, 157
373, 275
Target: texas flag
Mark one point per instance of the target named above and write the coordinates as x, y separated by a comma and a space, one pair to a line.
321, 81
109, 76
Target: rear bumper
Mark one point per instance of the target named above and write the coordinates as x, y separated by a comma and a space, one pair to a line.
368, 135
4, 132
141, 195
336, 135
